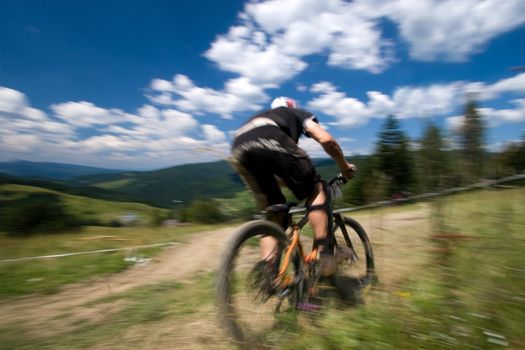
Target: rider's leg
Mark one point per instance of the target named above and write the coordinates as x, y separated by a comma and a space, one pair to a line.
268, 244
266, 192
319, 220
267, 247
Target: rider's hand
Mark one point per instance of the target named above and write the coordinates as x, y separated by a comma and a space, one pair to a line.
349, 171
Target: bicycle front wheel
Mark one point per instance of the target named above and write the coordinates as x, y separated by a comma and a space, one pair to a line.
254, 313
356, 270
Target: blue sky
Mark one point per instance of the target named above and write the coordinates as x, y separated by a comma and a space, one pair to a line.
151, 84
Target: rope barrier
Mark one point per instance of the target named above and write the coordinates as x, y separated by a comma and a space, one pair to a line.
434, 194
86, 252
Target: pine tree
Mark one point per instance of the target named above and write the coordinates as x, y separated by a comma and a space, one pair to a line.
511, 160
433, 160
472, 142
394, 159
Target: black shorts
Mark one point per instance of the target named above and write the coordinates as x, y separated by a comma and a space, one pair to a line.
266, 152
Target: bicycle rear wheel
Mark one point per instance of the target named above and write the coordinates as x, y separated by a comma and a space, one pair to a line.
256, 316
355, 269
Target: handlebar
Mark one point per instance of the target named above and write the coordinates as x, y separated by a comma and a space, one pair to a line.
340, 179
334, 186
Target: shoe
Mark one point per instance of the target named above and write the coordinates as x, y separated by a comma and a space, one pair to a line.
327, 265
260, 280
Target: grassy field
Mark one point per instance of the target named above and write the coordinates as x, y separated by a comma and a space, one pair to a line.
48, 275
467, 291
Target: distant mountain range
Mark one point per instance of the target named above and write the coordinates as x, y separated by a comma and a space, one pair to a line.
163, 187
54, 171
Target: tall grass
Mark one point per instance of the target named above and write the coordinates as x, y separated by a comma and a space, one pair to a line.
152, 316
469, 294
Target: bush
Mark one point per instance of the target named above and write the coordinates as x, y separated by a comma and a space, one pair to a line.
37, 212
241, 207
158, 217
203, 211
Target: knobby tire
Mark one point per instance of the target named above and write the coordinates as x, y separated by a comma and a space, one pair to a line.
229, 310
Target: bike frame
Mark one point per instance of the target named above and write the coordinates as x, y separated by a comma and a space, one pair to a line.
295, 241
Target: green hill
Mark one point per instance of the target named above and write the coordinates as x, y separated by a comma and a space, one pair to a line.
162, 187
181, 183
85, 208
80, 189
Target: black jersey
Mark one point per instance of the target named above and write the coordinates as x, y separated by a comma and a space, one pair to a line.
289, 120
276, 129
266, 146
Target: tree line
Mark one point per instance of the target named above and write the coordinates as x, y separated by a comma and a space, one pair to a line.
400, 166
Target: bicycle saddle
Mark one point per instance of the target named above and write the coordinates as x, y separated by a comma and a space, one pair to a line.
281, 207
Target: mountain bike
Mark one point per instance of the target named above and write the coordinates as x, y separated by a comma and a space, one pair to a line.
258, 314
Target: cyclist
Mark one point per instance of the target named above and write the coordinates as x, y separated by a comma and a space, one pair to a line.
265, 154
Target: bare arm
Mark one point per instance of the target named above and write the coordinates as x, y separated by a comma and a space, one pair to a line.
330, 146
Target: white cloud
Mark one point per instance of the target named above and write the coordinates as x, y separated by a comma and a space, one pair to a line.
312, 148
450, 29
499, 116
493, 117
85, 114
15, 142
272, 39
104, 143
21, 121
238, 95
276, 15
267, 65
14, 104
304, 27
515, 84
380, 104
274, 36
434, 100
155, 137
348, 111
315, 150
293, 29
161, 85
12, 101
418, 102
27, 132
455, 122
212, 134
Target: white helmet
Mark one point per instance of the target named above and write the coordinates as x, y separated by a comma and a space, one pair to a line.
282, 101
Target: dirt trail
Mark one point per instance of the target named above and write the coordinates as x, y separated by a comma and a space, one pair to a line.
177, 262
201, 252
